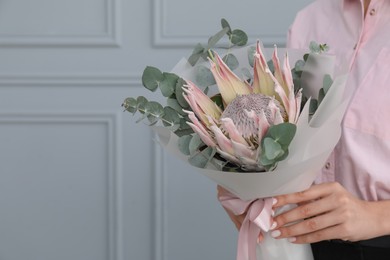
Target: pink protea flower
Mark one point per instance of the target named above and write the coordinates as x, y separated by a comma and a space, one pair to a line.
228, 83
250, 110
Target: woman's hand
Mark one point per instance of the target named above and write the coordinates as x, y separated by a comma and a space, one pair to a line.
328, 211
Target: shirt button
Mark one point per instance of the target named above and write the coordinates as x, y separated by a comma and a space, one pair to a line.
355, 46
372, 12
327, 165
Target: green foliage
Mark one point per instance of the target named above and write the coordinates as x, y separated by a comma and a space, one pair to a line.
318, 48
172, 115
174, 104
315, 103
298, 70
171, 87
218, 100
202, 157
184, 144
168, 85
225, 24
213, 40
184, 128
170, 118
251, 55
179, 93
236, 37
203, 77
153, 111
151, 78
198, 52
130, 104
231, 61
275, 144
195, 144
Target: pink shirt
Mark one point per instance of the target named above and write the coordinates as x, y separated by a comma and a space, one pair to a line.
361, 160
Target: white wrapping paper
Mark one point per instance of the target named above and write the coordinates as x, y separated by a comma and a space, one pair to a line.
308, 152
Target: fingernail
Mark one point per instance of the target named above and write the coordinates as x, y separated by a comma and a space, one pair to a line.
275, 233
292, 239
273, 226
273, 213
274, 201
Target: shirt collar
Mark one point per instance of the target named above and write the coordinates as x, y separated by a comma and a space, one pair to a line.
347, 4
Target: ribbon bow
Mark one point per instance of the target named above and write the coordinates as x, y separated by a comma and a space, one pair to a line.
257, 219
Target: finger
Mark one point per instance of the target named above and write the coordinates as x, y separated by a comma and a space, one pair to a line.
220, 191
313, 193
320, 235
304, 211
260, 238
309, 226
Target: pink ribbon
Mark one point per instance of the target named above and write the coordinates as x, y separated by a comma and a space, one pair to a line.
257, 219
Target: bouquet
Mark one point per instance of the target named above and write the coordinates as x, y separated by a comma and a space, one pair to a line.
257, 134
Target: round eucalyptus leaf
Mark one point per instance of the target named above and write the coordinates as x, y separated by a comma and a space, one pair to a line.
130, 104
272, 149
271, 66
170, 117
231, 61
313, 105
168, 84
195, 144
179, 93
171, 102
225, 24
184, 143
297, 84
239, 37
251, 55
184, 128
196, 54
201, 159
282, 133
299, 65
141, 102
151, 78
213, 40
314, 47
203, 76
327, 82
264, 161
154, 111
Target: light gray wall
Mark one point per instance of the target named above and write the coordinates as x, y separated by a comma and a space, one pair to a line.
78, 178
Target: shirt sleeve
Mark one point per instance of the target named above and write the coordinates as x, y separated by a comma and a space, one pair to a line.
301, 31
296, 33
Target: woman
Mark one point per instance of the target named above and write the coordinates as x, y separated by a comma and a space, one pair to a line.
346, 215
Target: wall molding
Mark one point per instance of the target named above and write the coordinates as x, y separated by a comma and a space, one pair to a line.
114, 193
162, 39
118, 80
110, 38
160, 211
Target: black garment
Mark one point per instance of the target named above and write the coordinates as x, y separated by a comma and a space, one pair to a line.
376, 249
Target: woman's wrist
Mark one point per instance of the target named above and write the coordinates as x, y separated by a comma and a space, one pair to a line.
380, 212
